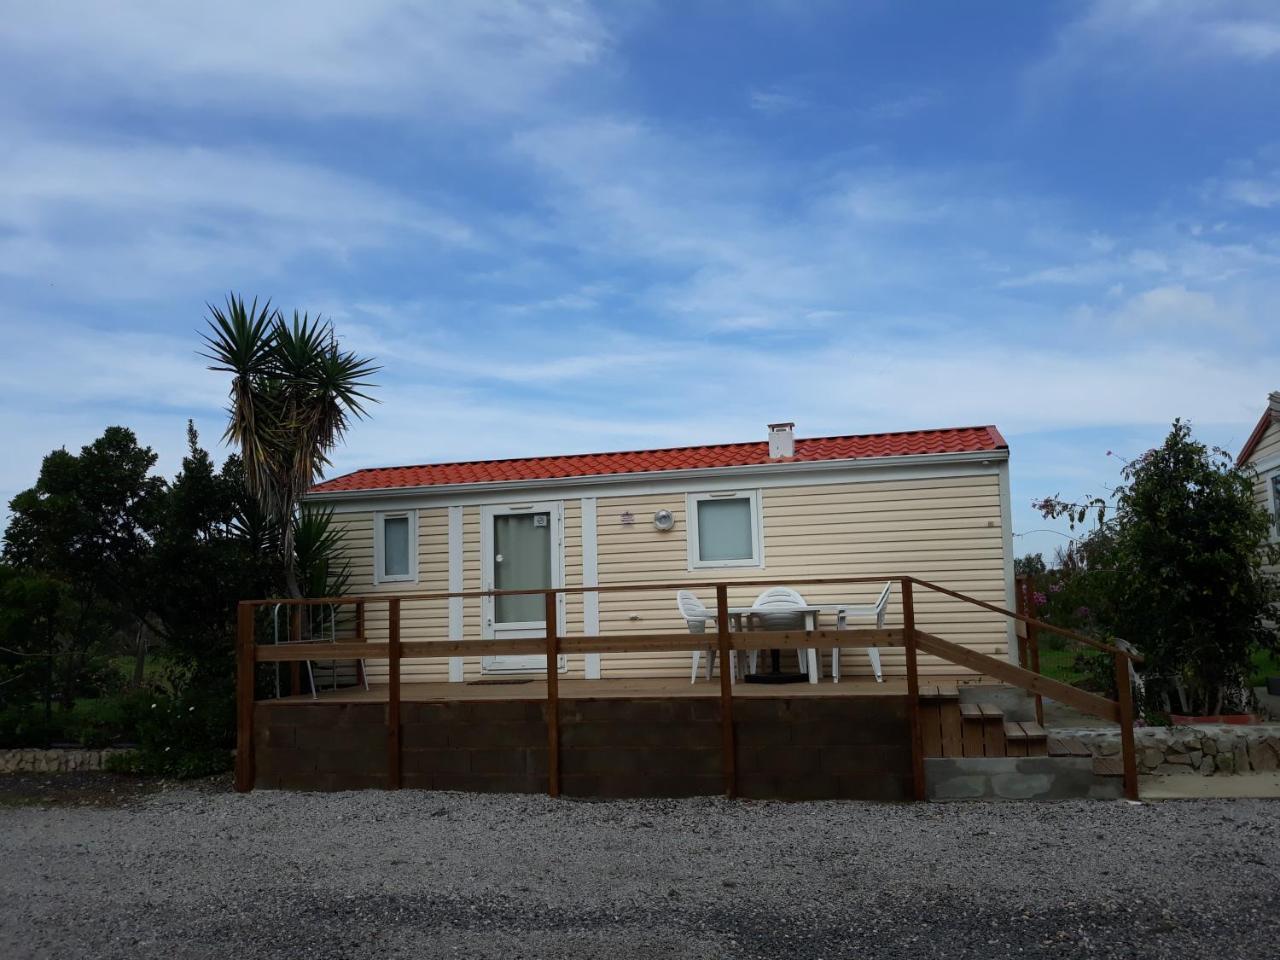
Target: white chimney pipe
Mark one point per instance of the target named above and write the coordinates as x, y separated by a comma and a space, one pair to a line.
782, 440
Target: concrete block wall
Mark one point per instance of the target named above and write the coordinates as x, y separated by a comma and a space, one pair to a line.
787, 748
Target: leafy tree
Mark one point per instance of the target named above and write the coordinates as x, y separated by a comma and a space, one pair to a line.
32, 617
1030, 565
1179, 570
210, 550
294, 392
85, 525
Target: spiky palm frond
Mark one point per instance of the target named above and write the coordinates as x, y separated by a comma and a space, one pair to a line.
323, 568
240, 342
294, 394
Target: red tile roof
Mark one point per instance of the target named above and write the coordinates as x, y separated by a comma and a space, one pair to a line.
911, 443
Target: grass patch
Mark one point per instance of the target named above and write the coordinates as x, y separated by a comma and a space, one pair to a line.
1060, 664
1266, 663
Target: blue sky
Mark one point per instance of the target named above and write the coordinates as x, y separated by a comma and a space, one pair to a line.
566, 227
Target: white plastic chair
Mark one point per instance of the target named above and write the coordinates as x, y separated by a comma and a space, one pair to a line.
775, 610
696, 615
872, 611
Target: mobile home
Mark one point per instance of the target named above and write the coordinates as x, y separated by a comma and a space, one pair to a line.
932, 504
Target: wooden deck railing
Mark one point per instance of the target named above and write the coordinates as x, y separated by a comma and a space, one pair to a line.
913, 640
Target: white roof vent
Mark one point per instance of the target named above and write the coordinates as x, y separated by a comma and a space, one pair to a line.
782, 440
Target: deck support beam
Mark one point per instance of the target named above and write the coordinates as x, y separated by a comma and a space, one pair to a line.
1128, 750
913, 690
393, 695
727, 746
553, 696
244, 696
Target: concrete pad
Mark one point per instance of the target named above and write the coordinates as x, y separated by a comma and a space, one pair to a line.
1017, 778
1184, 787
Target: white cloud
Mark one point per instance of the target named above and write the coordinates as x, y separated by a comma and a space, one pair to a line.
896, 108
775, 100
1174, 307
58, 366
143, 219
1252, 39
309, 56
1135, 37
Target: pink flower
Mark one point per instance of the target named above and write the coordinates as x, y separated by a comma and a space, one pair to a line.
1039, 599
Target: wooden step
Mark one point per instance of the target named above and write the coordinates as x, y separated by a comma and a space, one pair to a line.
993, 739
940, 723
982, 731
938, 691
1025, 739
1067, 747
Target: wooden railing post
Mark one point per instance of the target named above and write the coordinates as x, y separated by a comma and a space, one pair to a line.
913, 690
1128, 751
553, 694
295, 636
1020, 607
728, 750
244, 696
1033, 649
393, 694
361, 677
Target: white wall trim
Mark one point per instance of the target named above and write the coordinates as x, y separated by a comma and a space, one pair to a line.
456, 580
590, 578
379, 545
675, 482
1006, 536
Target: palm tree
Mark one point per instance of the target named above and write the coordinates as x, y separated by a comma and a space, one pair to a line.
294, 392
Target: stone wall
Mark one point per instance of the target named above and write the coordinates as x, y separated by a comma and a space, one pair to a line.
1209, 750
54, 761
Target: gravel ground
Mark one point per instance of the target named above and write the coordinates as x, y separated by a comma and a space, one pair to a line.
205, 873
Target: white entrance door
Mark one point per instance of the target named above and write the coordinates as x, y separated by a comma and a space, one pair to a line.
522, 548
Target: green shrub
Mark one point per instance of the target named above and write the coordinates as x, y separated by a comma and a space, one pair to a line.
100, 722
181, 764
186, 736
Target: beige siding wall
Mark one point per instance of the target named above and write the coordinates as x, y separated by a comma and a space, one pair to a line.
419, 619
1268, 449
429, 619
945, 529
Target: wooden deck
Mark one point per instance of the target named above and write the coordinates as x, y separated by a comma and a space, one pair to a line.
605, 689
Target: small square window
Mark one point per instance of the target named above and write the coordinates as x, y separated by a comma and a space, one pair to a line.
395, 541
724, 529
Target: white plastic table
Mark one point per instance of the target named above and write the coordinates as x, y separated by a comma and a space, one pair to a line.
810, 612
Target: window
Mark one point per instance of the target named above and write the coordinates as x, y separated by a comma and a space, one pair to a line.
1275, 502
395, 547
724, 529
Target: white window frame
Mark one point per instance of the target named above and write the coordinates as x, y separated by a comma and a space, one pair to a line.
1274, 485
379, 546
757, 529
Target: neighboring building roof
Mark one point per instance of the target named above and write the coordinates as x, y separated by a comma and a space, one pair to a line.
815, 449
1269, 416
